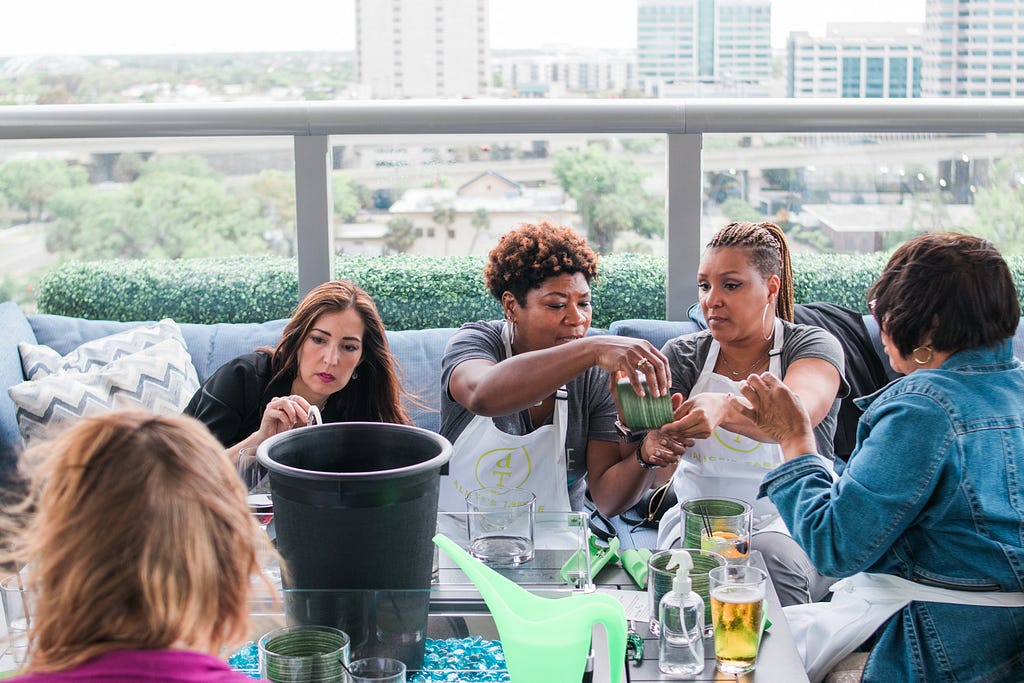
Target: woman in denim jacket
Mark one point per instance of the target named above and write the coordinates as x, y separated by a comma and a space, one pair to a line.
928, 517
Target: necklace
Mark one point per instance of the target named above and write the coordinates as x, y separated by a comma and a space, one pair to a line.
734, 373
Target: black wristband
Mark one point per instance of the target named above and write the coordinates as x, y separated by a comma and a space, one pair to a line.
640, 458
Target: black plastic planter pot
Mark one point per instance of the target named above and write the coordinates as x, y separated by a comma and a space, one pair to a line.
355, 508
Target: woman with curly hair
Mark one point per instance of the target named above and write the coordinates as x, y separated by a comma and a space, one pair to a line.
526, 401
333, 354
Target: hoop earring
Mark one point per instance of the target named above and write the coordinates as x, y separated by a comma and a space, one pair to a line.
926, 349
764, 317
355, 374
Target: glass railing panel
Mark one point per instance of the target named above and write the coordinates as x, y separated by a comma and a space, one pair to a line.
153, 198
456, 195
865, 193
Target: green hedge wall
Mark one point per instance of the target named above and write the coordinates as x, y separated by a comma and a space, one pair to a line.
411, 292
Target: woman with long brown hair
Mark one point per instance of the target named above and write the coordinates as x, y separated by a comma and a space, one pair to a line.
333, 355
140, 552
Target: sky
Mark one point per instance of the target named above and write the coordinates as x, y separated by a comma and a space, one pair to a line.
33, 27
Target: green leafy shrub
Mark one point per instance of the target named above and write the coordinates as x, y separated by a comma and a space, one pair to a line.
412, 292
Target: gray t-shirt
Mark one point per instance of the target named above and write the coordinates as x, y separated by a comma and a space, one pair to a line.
592, 411
687, 354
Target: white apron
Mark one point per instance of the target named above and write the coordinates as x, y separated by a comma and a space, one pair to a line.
725, 464
825, 632
484, 456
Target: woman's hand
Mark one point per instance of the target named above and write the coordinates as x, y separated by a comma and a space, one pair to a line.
284, 413
663, 449
778, 412
697, 417
634, 359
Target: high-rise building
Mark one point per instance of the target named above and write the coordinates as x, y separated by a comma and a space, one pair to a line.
704, 47
973, 48
855, 60
565, 71
422, 48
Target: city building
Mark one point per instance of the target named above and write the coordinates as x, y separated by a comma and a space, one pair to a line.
856, 60
484, 208
412, 48
689, 48
973, 48
559, 72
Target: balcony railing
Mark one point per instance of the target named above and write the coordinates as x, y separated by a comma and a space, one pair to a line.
684, 122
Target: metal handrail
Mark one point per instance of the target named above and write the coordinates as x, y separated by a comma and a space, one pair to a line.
451, 117
684, 122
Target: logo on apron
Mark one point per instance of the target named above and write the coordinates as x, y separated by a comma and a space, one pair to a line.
504, 467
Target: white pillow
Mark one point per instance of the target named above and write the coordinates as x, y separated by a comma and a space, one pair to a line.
160, 378
38, 361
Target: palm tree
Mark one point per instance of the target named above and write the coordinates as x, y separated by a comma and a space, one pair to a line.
481, 220
444, 216
400, 235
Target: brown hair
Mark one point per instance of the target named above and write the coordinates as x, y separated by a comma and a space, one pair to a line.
954, 288
138, 537
375, 394
531, 253
769, 253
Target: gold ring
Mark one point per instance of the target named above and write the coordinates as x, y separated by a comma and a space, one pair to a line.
642, 362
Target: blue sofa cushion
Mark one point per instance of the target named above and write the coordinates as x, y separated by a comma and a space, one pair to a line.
418, 353
209, 345
14, 328
655, 331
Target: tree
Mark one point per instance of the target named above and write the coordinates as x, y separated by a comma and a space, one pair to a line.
273, 193
481, 221
401, 235
189, 165
737, 209
162, 215
27, 184
999, 207
444, 216
609, 195
350, 197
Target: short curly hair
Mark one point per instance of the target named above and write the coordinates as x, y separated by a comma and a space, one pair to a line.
531, 253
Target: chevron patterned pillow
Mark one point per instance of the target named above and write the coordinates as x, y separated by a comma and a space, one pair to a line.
38, 361
160, 378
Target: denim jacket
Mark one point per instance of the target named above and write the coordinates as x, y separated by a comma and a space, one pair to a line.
934, 493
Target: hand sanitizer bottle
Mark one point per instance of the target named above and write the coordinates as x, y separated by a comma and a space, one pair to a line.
681, 614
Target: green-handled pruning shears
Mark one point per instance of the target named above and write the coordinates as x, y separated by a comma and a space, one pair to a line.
597, 556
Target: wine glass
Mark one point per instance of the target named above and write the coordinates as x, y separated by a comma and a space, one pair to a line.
257, 485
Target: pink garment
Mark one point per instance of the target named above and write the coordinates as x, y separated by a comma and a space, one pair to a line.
138, 666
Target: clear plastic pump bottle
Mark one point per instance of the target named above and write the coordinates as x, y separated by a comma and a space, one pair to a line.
681, 614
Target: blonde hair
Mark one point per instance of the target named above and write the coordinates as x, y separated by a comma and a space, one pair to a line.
138, 537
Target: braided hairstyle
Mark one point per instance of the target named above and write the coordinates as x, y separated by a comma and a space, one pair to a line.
769, 253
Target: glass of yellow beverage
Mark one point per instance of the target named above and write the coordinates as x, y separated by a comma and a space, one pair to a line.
737, 614
718, 525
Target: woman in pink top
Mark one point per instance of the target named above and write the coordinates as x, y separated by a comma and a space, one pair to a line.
140, 550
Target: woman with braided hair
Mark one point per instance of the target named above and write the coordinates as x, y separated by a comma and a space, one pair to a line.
745, 284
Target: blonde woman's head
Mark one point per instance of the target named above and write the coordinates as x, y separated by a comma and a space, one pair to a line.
138, 538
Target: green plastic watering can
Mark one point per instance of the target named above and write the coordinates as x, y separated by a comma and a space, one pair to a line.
544, 639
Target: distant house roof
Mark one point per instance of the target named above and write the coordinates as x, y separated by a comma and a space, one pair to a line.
489, 182
490, 191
